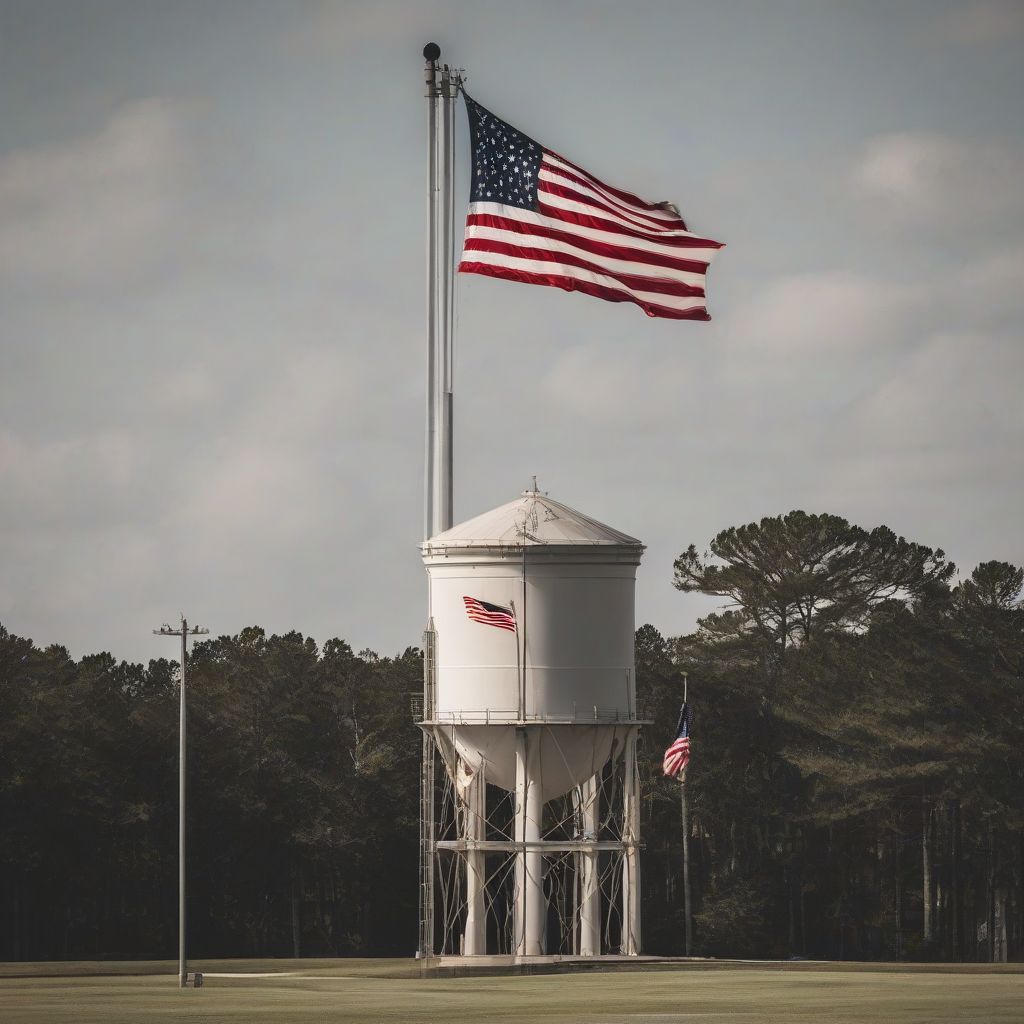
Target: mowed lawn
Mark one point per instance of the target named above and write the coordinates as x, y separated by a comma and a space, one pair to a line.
304, 992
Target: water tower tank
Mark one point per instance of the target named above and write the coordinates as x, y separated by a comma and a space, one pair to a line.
531, 682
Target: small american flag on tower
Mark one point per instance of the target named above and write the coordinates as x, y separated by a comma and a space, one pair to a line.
677, 757
490, 614
535, 217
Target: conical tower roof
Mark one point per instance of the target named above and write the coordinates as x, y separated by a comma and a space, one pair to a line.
535, 520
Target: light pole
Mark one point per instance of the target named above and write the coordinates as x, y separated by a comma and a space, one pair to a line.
184, 632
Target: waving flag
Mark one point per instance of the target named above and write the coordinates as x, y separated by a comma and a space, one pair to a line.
490, 614
535, 217
677, 757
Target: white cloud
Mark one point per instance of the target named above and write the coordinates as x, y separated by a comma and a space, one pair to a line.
320, 392
621, 387
935, 448
955, 394
280, 476
940, 182
188, 388
249, 493
66, 482
100, 206
994, 287
820, 311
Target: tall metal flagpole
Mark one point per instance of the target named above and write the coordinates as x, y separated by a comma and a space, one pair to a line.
184, 632
430, 53
444, 437
684, 814
441, 85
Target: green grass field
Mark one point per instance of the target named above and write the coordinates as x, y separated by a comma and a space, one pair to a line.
307, 991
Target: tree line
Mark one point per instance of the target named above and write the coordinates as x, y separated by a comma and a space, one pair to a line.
302, 801
856, 789
857, 783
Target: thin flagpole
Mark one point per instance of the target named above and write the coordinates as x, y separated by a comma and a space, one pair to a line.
430, 53
523, 698
684, 811
519, 670
443, 304
687, 915
182, 747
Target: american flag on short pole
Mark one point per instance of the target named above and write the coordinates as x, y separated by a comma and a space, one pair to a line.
677, 757
537, 218
490, 614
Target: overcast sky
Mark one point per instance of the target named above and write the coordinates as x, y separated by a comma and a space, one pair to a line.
212, 296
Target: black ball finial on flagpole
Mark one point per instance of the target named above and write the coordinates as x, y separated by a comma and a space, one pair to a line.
431, 51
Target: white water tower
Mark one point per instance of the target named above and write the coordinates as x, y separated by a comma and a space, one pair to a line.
530, 836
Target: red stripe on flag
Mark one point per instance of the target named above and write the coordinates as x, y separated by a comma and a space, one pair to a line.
478, 611
618, 252
662, 286
570, 284
626, 197
636, 220
600, 224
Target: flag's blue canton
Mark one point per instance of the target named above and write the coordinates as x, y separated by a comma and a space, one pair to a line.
506, 162
685, 717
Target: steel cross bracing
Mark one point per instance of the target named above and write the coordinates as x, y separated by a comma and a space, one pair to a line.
587, 852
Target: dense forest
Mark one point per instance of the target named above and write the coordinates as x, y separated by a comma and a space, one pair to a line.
856, 789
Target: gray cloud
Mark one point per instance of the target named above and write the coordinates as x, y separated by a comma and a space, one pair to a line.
978, 23
97, 208
933, 180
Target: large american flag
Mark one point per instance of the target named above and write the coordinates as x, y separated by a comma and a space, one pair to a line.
490, 614
677, 757
537, 218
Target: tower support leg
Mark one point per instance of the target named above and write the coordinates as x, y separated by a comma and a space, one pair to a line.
589, 890
531, 910
473, 830
631, 858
